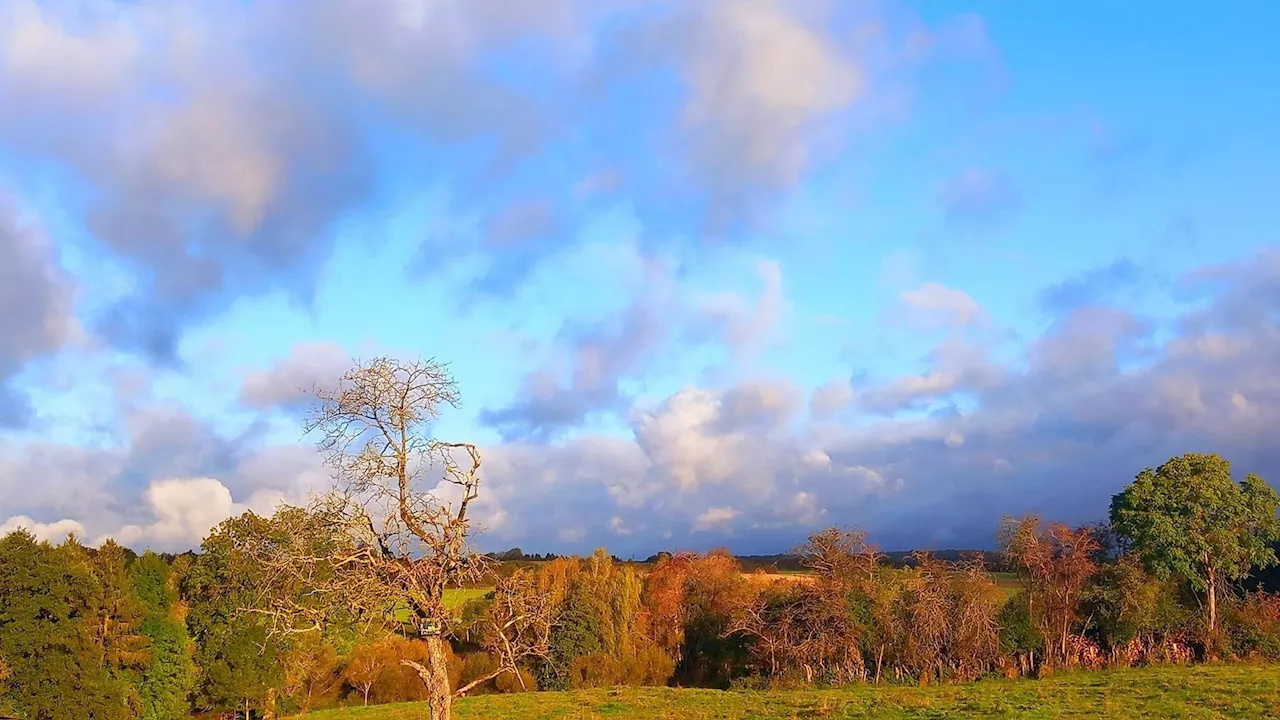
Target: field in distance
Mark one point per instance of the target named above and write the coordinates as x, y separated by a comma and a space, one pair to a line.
457, 597
1202, 691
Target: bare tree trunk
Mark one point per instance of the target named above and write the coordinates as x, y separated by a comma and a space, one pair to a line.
1213, 603
435, 678
439, 693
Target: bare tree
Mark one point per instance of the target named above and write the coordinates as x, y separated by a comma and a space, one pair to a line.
841, 556
392, 534
1056, 563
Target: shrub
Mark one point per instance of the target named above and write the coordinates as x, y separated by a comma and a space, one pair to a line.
649, 666
597, 669
477, 665
1252, 626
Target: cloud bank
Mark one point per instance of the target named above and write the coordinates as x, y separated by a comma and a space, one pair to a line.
709, 273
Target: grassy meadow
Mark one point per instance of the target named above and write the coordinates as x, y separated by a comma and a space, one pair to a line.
1203, 691
457, 597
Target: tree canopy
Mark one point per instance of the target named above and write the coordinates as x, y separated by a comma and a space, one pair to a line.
1188, 518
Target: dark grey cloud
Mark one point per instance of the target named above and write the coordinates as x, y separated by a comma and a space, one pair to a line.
36, 304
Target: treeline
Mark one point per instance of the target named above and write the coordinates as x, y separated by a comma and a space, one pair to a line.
781, 562
102, 634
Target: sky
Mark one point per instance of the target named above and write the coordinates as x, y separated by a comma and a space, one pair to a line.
713, 273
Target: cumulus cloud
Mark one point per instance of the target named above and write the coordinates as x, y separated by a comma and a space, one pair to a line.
602, 355
716, 517
213, 147
605, 353
52, 531
110, 484
184, 510
1055, 431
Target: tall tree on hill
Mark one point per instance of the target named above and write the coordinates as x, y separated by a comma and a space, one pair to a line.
169, 676
49, 635
1189, 519
237, 666
393, 532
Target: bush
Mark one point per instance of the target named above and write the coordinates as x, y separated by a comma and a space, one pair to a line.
1018, 634
478, 665
1252, 626
595, 670
649, 666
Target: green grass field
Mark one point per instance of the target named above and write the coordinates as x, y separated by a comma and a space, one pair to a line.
1008, 583
457, 597
1231, 691
454, 599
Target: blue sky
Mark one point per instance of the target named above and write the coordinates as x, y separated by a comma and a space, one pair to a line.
713, 273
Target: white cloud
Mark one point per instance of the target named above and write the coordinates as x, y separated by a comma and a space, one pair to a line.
185, 510
715, 518
934, 302
53, 531
682, 440
758, 76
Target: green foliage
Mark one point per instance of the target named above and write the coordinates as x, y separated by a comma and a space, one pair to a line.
598, 632
1189, 519
1018, 633
575, 635
151, 581
170, 676
1127, 603
117, 613
237, 664
56, 668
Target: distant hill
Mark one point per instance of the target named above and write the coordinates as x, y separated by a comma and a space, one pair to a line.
783, 562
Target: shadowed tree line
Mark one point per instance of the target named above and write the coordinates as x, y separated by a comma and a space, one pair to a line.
348, 601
